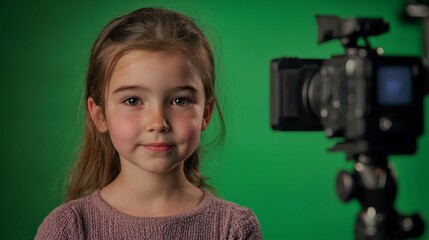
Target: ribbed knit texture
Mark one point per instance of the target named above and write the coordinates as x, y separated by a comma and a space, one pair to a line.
92, 218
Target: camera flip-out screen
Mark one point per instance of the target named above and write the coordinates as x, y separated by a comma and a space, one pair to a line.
395, 85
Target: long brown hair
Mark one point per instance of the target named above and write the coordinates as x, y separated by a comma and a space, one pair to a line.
150, 29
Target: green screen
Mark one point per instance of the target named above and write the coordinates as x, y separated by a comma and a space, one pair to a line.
287, 178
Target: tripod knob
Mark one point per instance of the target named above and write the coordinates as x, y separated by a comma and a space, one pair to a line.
345, 186
411, 226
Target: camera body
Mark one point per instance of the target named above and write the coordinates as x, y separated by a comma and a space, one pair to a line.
374, 102
375, 99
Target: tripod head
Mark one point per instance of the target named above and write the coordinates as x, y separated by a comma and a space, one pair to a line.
373, 184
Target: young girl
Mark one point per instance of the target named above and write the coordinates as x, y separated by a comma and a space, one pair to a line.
150, 93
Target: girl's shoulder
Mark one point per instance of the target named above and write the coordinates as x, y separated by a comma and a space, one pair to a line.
64, 221
223, 205
242, 221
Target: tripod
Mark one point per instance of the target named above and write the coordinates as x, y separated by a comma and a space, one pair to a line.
374, 186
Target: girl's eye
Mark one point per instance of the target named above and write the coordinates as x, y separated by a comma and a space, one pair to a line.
180, 101
132, 101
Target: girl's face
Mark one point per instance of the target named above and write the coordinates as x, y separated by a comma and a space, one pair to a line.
155, 110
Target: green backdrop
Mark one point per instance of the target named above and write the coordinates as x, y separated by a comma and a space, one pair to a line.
287, 178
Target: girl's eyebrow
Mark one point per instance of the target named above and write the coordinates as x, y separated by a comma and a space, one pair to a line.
141, 88
129, 87
186, 88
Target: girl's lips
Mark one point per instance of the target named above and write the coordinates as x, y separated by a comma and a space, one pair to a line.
158, 147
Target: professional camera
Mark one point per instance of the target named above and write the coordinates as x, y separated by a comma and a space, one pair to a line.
374, 103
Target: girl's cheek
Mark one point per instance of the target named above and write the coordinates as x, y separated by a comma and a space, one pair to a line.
189, 127
187, 120
189, 116
125, 126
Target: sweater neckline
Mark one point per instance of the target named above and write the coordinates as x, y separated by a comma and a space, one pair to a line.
103, 206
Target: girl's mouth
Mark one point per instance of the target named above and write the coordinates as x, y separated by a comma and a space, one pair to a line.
158, 147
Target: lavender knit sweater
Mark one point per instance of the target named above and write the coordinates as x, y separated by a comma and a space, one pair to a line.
92, 218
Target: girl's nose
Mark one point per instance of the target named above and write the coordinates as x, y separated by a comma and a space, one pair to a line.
157, 121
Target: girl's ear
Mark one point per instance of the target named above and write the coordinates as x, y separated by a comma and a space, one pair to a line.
97, 115
208, 110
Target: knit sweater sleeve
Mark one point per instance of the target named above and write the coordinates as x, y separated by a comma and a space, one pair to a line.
62, 223
245, 225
